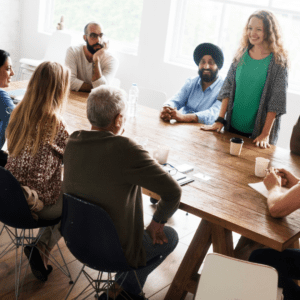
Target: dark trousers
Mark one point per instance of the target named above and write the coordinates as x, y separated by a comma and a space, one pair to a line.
233, 130
3, 158
287, 263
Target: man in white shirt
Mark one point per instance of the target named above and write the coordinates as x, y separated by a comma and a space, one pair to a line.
91, 64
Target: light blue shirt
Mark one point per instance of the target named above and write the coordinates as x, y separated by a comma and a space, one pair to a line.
6, 107
192, 99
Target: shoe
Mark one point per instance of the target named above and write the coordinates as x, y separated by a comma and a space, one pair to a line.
129, 296
122, 296
153, 201
36, 263
104, 297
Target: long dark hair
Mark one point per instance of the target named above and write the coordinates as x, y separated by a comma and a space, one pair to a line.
3, 57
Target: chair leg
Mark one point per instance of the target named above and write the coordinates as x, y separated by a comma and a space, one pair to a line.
65, 271
137, 279
11, 245
70, 290
18, 268
2, 229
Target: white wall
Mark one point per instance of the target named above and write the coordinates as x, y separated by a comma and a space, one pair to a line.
10, 28
148, 68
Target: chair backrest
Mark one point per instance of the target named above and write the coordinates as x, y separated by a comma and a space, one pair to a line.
57, 47
91, 236
14, 210
151, 98
225, 277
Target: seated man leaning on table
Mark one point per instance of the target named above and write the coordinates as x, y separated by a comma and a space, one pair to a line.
91, 65
281, 204
108, 169
197, 99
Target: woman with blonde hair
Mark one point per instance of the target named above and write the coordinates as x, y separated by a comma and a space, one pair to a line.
254, 92
36, 138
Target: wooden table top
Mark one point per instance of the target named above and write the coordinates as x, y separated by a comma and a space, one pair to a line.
225, 199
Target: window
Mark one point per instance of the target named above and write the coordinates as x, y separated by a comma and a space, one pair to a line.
121, 19
222, 22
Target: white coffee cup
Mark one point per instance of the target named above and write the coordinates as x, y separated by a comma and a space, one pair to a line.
161, 154
261, 164
236, 145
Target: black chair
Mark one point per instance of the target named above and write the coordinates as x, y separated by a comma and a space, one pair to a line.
91, 237
15, 213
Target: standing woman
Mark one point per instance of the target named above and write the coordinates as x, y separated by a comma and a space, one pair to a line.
254, 91
36, 138
6, 104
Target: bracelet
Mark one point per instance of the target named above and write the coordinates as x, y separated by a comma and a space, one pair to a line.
221, 120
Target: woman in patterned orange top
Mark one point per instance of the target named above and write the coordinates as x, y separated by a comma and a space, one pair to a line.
36, 138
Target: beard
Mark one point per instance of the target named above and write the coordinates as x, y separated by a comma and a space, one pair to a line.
91, 48
208, 77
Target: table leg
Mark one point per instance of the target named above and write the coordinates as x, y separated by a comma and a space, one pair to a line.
222, 240
295, 245
184, 279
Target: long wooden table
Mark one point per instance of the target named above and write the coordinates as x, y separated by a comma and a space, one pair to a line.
225, 202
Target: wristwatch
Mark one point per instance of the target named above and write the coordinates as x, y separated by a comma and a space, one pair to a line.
221, 120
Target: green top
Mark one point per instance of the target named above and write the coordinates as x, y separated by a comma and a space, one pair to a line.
251, 75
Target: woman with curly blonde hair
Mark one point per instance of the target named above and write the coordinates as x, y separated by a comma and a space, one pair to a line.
254, 92
36, 139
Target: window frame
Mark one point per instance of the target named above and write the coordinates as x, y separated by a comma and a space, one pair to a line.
46, 16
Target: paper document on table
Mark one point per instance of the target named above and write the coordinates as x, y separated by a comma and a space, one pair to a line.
261, 188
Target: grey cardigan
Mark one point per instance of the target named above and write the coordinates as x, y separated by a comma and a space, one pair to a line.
273, 98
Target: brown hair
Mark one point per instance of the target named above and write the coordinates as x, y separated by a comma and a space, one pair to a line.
272, 38
39, 113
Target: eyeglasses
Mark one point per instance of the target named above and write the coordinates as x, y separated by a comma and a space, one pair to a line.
95, 35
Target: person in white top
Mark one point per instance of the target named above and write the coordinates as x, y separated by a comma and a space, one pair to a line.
91, 65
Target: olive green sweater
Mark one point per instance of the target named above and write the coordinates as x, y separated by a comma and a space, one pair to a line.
109, 170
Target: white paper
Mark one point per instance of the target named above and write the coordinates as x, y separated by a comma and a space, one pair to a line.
185, 168
261, 188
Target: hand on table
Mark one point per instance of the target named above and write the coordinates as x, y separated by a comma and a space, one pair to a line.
214, 127
272, 180
165, 113
176, 115
156, 232
288, 179
262, 140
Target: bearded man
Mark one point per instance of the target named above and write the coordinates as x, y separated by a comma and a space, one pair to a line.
196, 102
91, 65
